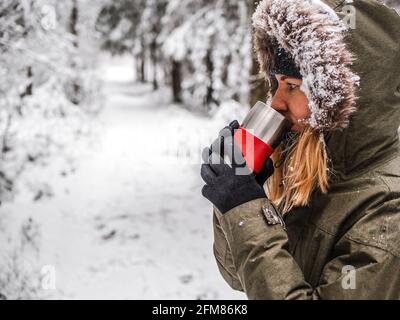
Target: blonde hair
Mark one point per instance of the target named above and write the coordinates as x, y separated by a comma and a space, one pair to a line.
300, 168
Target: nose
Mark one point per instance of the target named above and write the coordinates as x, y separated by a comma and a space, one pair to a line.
279, 102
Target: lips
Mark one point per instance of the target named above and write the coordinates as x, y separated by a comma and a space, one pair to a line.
291, 121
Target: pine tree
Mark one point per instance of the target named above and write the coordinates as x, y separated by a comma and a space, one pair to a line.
40, 59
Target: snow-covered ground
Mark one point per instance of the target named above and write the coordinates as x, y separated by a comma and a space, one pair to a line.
130, 222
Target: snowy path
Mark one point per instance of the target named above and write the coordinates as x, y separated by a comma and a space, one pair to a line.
129, 224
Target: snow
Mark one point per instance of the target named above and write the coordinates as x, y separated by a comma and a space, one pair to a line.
325, 8
130, 221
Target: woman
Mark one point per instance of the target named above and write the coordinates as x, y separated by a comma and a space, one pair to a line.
328, 226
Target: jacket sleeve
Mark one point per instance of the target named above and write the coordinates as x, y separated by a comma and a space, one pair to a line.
223, 256
266, 269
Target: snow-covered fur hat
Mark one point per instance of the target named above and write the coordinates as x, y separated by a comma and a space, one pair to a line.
312, 33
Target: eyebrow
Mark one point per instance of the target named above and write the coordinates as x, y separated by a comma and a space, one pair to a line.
290, 78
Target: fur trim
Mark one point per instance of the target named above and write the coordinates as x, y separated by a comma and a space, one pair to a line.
314, 35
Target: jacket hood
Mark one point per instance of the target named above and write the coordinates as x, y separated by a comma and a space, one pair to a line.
351, 76
312, 34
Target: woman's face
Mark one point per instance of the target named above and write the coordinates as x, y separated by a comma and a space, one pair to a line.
290, 101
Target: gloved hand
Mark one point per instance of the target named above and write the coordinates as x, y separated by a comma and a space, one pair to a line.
218, 147
230, 186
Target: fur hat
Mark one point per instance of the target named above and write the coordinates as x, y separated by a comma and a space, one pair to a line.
312, 33
284, 64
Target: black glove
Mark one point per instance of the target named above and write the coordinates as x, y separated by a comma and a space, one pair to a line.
230, 186
218, 147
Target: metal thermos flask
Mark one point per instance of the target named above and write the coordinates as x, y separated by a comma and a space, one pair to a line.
260, 133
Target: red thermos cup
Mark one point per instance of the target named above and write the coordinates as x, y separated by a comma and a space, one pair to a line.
260, 133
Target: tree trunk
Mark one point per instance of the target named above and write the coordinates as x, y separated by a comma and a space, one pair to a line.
73, 23
141, 67
27, 92
153, 57
29, 88
258, 85
210, 89
155, 82
176, 82
29, 73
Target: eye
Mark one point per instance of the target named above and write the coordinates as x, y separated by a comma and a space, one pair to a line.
292, 86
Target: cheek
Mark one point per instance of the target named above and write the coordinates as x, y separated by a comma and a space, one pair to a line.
299, 107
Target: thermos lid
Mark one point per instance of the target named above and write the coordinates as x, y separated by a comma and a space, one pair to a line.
266, 123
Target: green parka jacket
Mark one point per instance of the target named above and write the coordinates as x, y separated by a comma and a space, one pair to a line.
346, 243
